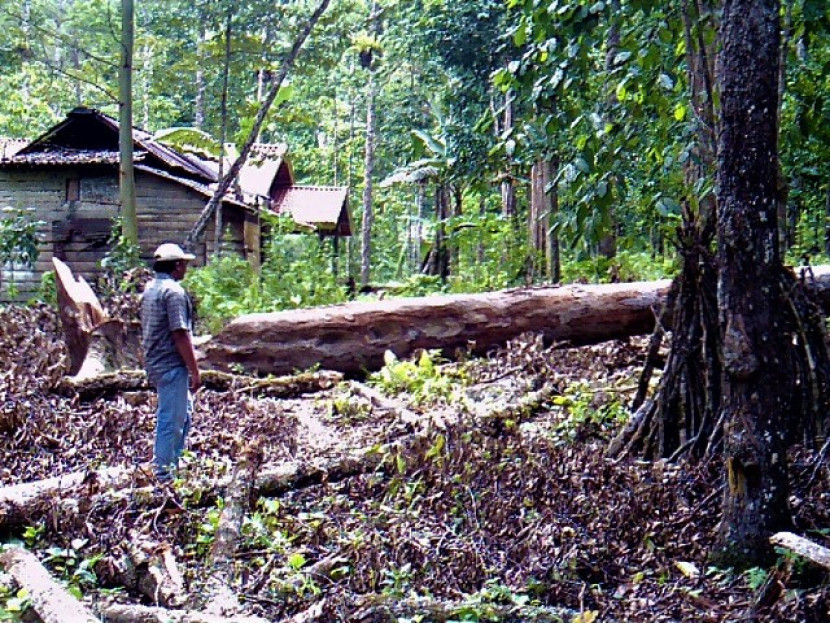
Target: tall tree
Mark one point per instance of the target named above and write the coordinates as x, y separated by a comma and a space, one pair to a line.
129, 224
259, 120
758, 377
368, 59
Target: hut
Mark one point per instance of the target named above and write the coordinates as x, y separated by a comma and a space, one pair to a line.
68, 179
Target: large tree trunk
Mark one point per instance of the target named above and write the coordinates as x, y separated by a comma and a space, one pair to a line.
353, 337
758, 371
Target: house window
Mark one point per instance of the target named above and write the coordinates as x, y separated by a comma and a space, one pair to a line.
73, 190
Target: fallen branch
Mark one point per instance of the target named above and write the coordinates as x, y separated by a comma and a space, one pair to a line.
102, 489
50, 600
403, 414
133, 613
221, 600
803, 547
26, 502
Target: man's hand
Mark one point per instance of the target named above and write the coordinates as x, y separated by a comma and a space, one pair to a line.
195, 380
181, 338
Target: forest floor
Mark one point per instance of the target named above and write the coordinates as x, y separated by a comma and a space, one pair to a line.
487, 509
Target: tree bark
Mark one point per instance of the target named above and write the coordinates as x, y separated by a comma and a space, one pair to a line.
50, 600
353, 337
758, 372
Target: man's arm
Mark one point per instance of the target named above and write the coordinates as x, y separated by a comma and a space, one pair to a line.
184, 345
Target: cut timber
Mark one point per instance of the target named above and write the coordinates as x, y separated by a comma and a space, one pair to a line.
149, 567
353, 337
803, 547
50, 600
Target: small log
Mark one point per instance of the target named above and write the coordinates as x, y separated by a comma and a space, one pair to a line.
108, 383
133, 613
50, 600
221, 599
803, 547
22, 503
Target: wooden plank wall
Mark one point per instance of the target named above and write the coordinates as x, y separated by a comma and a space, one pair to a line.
76, 232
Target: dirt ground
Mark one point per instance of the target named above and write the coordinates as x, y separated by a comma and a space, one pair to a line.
479, 511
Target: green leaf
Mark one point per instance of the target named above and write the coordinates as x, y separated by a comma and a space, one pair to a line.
296, 561
520, 36
679, 112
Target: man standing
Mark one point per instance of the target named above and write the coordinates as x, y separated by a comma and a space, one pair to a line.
170, 361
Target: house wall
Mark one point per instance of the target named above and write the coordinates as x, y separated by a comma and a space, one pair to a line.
78, 231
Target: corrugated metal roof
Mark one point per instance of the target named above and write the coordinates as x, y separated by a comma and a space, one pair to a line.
319, 206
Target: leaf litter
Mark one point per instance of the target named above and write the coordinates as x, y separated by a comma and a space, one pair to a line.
510, 519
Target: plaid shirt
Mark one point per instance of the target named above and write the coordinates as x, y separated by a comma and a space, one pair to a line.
165, 307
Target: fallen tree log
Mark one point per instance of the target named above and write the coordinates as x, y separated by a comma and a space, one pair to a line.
291, 386
352, 338
51, 601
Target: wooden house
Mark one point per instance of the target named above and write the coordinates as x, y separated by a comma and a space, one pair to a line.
69, 179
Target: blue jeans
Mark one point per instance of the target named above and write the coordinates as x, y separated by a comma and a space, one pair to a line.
172, 420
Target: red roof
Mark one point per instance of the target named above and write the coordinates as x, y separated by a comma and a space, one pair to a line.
321, 207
